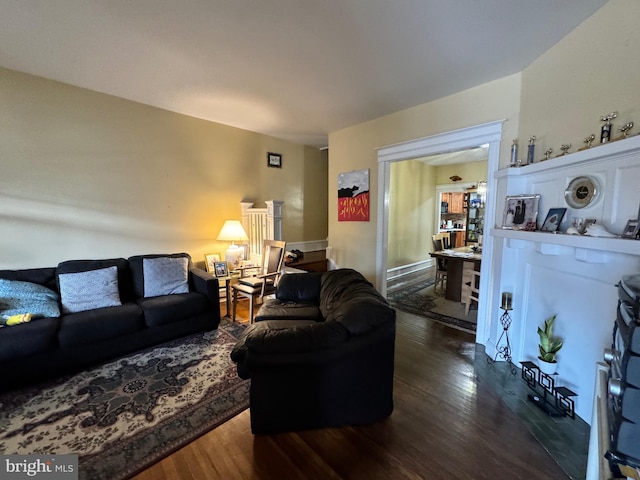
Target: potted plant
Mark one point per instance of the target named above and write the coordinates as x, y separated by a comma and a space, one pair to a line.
549, 347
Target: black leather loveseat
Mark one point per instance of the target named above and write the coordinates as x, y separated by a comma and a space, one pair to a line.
320, 354
96, 310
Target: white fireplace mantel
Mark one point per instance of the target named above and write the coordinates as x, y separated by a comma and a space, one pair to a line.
571, 276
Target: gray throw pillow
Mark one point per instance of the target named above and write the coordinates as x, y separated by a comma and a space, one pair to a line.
89, 290
165, 276
17, 297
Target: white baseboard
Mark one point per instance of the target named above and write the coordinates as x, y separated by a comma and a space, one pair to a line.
396, 274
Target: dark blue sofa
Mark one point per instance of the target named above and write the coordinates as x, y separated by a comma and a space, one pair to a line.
52, 346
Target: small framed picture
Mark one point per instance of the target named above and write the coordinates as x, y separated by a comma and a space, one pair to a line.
631, 229
553, 220
221, 269
520, 212
274, 160
210, 260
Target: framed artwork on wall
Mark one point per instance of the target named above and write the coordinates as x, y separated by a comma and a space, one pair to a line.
274, 160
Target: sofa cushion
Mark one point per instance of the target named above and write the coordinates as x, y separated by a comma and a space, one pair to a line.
165, 276
94, 326
28, 338
239, 351
172, 308
286, 336
274, 309
299, 287
88, 290
361, 315
17, 297
41, 276
339, 286
138, 269
124, 274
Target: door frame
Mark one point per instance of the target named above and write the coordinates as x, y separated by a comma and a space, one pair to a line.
489, 134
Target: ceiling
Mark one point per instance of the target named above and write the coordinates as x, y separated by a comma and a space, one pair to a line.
293, 69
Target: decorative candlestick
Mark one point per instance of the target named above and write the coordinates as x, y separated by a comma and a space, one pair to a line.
504, 352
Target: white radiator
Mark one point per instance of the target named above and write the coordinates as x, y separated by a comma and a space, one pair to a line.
261, 224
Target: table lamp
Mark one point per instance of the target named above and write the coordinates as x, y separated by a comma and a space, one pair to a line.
232, 231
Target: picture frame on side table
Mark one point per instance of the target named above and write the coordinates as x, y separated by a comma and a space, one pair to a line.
209, 261
553, 220
632, 228
221, 269
520, 212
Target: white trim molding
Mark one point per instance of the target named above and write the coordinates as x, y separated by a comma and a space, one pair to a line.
489, 134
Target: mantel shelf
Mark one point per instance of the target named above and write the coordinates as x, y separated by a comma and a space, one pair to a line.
608, 245
619, 147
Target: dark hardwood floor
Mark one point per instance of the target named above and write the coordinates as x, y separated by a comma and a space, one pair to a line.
447, 424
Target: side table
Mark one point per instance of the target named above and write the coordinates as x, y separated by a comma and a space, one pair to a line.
228, 280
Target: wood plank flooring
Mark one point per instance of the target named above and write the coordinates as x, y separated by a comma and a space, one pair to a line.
447, 424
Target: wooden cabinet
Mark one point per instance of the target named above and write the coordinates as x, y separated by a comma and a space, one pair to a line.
455, 201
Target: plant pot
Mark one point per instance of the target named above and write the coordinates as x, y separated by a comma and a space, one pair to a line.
547, 367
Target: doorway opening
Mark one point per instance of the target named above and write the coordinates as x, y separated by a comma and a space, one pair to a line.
486, 135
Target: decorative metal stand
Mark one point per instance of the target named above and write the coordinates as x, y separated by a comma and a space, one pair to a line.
504, 352
555, 401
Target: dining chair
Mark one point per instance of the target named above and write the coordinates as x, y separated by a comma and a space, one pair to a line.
439, 242
265, 281
471, 289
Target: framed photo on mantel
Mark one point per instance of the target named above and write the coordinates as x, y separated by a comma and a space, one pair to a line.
520, 212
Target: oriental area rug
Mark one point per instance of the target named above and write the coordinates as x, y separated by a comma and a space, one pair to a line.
125, 415
422, 300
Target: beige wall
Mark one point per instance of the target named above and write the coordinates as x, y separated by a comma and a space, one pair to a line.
559, 98
469, 172
353, 148
412, 204
88, 175
593, 71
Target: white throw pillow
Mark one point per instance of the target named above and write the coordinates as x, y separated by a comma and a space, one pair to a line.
89, 290
165, 276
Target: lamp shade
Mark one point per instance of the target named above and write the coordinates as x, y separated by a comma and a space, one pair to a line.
232, 231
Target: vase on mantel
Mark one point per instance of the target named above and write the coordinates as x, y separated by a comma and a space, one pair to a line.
550, 368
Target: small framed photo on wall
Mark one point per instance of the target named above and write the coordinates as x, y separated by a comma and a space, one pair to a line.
274, 160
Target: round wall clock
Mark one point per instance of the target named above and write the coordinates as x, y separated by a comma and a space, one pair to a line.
582, 191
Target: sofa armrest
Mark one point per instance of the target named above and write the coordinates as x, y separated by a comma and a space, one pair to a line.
205, 283
281, 360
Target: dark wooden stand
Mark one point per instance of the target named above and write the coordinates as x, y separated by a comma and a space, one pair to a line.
315, 261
